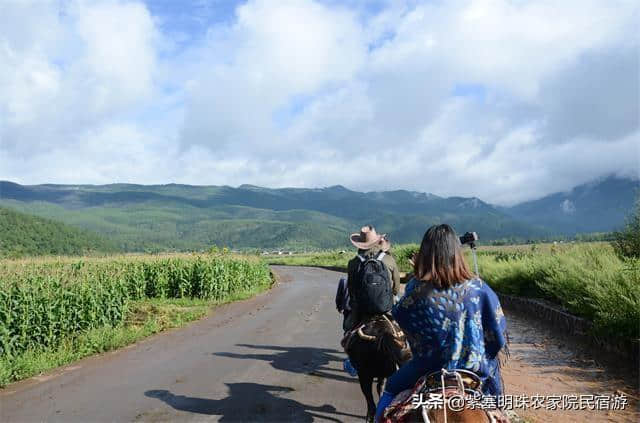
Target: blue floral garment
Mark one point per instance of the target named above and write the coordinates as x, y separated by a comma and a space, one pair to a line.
462, 327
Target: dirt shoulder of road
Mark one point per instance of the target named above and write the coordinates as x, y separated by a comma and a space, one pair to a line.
550, 364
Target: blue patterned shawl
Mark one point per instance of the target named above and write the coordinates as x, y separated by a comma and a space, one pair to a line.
462, 327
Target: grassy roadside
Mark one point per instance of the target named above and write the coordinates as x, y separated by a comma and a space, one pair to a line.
325, 258
340, 258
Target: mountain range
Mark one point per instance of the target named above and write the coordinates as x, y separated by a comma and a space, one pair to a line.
186, 217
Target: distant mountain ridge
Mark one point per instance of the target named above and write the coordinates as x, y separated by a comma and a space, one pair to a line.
597, 206
186, 217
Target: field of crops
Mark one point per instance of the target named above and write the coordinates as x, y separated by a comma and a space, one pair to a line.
45, 302
588, 279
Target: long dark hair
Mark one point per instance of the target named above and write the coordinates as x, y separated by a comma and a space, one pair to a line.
440, 259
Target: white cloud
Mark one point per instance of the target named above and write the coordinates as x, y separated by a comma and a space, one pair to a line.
503, 100
280, 50
99, 70
118, 54
568, 207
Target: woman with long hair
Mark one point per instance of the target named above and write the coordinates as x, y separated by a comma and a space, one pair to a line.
452, 319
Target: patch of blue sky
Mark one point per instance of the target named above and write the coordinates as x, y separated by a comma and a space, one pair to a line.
165, 108
64, 54
63, 12
476, 91
381, 40
366, 7
363, 9
192, 18
285, 115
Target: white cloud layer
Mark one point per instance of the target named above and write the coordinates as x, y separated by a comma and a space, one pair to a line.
504, 100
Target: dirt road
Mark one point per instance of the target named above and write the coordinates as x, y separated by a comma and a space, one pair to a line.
275, 357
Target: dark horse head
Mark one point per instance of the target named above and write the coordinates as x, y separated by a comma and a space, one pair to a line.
376, 349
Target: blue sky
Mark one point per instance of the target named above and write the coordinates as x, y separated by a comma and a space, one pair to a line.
192, 17
502, 100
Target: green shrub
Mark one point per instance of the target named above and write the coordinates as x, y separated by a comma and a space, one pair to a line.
626, 242
402, 254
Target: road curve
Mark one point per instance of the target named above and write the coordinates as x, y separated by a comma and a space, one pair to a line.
275, 357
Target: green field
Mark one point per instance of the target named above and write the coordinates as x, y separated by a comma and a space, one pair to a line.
587, 279
53, 311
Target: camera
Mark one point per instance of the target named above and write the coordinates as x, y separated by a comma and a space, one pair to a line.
468, 238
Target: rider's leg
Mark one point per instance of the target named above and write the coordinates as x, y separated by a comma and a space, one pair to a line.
492, 385
347, 320
351, 320
383, 403
404, 378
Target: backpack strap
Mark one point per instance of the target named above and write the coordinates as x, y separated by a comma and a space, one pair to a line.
379, 257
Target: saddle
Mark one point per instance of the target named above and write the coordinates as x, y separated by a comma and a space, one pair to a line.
443, 383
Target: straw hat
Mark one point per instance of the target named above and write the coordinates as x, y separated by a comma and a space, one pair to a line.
369, 238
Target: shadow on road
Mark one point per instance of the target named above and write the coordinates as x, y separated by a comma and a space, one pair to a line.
248, 402
308, 360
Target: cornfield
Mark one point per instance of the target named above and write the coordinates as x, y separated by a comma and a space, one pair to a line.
44, 301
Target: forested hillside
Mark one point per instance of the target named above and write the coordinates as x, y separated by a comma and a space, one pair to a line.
24, 235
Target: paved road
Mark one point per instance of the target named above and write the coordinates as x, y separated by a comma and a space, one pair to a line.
275, 357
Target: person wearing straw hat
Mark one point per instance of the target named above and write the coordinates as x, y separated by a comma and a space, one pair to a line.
370, 245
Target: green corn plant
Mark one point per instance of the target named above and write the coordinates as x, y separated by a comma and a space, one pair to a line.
44, 302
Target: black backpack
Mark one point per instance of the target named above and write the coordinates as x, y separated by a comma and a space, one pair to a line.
373, 293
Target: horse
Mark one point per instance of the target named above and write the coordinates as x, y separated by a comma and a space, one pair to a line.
376, 348
444, 388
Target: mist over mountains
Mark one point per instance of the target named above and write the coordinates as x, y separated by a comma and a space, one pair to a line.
185, 217
599, 206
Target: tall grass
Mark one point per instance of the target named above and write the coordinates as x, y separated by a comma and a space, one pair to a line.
588, 280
